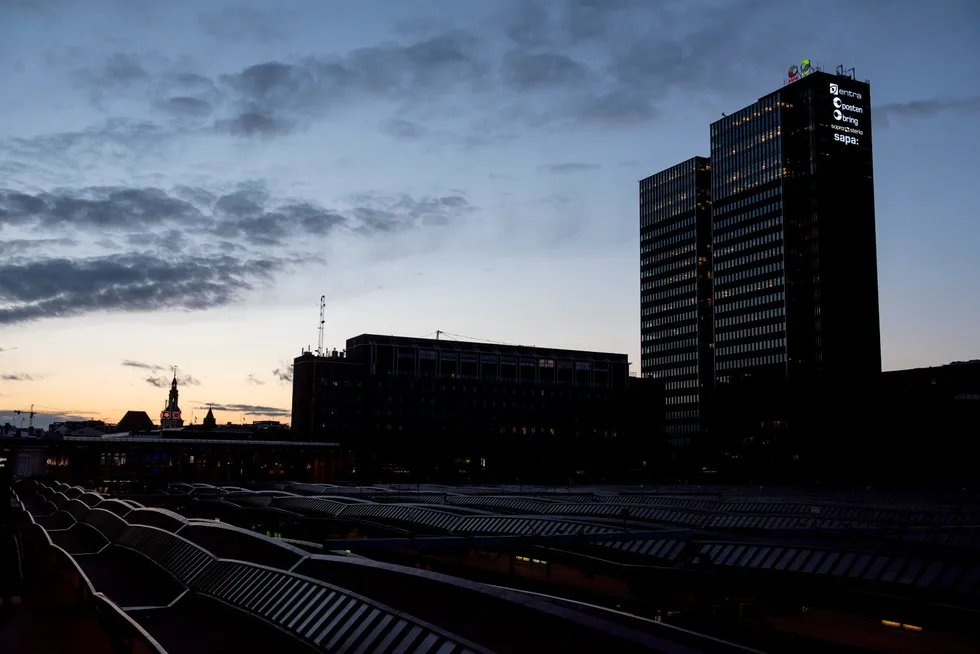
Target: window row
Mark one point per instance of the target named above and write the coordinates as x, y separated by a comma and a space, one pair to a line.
676, 304
670, 254
667, 320
668, 267
685, 383
750, 317
670, 240
722, 208
750, 302
681, 399
660, 231
662, 295
665, 281
764, 360
668, 346
670, 373
758, 346
667, 333
674, 358
750, 258
749, 288
681, 415
745, 245
745, 217
772, 328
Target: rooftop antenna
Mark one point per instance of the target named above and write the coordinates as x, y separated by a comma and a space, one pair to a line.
323, 307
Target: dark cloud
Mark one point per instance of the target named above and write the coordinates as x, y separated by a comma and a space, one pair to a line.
139, 364
7, 349
34, 246
162, 219
919, 109
562, 59
253, 381
102, 208
254, 124
249, 409
565, 168
164, 262
405, 129
526, 71
284, 372
129, 282
187, 106
16, 376
165, 382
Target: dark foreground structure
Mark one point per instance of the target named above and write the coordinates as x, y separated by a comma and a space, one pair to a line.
305, 567
127, 577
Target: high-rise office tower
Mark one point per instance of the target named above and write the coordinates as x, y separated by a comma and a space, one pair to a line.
795, 283
675, 291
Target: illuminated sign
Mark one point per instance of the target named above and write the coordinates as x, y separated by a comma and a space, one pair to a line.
845, 123
799, 72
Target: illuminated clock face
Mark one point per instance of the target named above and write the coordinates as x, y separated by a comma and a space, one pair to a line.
176, 415
166, 414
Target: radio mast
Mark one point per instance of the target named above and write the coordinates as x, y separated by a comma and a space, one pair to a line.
323, 306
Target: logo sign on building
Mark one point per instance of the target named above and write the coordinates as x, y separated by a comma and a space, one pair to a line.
847, 114
799, 72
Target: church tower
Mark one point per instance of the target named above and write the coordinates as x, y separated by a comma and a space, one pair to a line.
170, 416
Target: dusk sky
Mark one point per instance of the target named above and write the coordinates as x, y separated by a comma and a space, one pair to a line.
180, 181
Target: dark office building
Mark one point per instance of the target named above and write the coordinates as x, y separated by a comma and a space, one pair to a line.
794, 256
793, 233
427, 408
675, 292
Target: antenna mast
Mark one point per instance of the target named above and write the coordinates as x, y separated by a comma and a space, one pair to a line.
323, 306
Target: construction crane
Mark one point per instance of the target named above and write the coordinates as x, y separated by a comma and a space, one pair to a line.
323, 307
30, 424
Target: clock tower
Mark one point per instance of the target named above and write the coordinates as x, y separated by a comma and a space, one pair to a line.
170, 416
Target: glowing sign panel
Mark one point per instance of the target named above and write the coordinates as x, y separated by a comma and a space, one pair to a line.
846, 124
799, 72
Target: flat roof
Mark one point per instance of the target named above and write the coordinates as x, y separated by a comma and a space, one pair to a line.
474, 346
187, 441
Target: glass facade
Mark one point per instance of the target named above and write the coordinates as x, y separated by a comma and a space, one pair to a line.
747, 236
675, 214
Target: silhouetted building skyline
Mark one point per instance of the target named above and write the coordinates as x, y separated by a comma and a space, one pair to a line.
759, 287
675, 291
419, 406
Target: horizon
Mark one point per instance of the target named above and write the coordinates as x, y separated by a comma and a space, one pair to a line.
180, 185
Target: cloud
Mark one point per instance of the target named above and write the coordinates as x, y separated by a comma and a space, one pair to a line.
249, 213
244, 23
251, 123
16, 376
58, 288
187, 106
284, 372
565, 168
920, 109
139, 364
249, 409
527, 71
253, 381
165, 382
7, 349
561, 68
160, 267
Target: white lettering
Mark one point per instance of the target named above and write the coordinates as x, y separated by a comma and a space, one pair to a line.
849, 130
848, 107
845, 139
837, 90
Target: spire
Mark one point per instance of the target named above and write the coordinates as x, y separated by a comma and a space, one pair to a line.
174, 383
